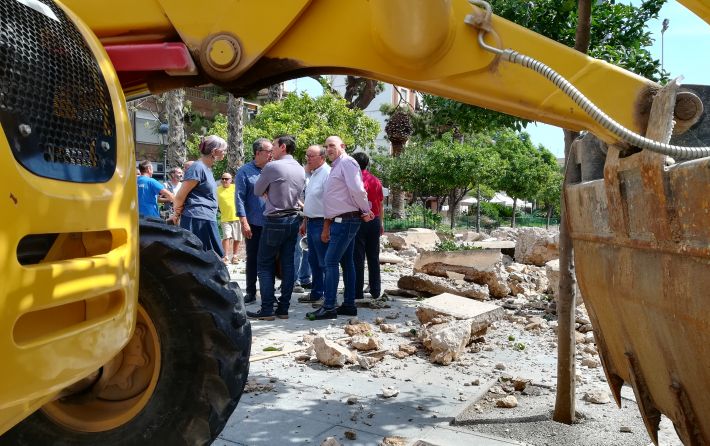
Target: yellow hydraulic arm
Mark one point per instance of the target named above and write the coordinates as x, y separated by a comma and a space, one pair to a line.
422, 44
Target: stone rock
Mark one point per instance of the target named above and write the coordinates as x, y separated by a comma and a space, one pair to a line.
389, 392
455, 276
331, 353
578, 338
400, 354
388, 328
331, 441
431, 285
519, 384
504, 246
479, 315
362, 328
365, 343
352, 400
388, 257
507, 402
536, 246
446, 342
483, 267
408, 252
592, 363
597, 396
586, 328
379, 320
625, 429
350, 435
472, 236
393, 441
589, 337
409, 349
417, 238
504, 233
500, 366
552, 270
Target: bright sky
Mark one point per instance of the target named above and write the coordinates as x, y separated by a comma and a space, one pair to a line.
686, 42
685, 53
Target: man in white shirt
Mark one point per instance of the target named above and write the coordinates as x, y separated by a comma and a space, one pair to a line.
317, 173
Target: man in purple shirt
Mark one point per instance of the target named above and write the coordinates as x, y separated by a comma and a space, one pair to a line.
345, 206
281, 183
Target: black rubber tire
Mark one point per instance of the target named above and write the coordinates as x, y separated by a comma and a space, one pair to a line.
205, 341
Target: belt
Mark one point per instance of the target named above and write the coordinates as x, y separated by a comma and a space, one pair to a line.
283, 214
315, 218
354, 214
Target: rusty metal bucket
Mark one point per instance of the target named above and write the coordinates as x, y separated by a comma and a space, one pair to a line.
641, 237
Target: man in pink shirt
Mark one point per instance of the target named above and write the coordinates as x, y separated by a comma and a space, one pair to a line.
367, 242
345, 206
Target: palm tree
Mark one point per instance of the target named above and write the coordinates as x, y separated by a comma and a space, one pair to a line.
235, 133
276, 93
398, 129
176, 150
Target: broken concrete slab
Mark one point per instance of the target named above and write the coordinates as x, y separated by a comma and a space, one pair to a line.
418, 238
552, 270
479, 259
479, 268
388, 257
331, 353
506, 247
446, 342
536, 246
421, 283
365, 343
478, 314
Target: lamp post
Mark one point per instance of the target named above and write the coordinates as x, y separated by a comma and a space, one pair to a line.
664, 27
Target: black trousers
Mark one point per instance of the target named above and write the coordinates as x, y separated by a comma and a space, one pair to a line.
252, 248
367, 246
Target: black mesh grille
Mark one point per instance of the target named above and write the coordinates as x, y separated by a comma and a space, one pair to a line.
55, 108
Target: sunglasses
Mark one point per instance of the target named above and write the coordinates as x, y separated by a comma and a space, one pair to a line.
226, 179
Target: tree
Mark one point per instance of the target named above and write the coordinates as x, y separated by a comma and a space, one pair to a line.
398, 130
174, 108
525, 167
310, 120
359, 91
275, 92
235, 133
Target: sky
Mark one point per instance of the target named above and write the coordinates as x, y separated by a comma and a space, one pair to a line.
686, 43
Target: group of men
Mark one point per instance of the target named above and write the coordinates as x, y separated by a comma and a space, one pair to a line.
338, 208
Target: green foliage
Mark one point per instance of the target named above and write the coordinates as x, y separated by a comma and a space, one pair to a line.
311, 121
527, 167
618, 33
451, 245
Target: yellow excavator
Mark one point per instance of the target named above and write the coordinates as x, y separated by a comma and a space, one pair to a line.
115, 331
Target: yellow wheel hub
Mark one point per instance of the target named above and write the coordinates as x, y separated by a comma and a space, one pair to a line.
124, 388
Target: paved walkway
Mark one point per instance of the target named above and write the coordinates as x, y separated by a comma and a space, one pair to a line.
294, 403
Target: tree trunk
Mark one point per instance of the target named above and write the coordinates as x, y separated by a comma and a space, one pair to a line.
276, 93
478, 209
566, 301
566, 304
235, 133
176, 150
512, 219
452, 208
549, 216
396, 192
359, 92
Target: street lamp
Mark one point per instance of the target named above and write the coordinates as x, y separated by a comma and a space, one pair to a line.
664, 27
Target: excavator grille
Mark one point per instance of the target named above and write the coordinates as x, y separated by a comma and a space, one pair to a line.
55, 108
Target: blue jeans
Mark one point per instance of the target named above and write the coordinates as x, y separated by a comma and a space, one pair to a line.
340, 247
316, 256
367, 246
300, 264
278, 238
252, 248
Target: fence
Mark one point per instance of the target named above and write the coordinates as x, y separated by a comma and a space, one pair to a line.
429, 221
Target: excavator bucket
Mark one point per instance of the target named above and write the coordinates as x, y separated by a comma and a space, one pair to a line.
639, 226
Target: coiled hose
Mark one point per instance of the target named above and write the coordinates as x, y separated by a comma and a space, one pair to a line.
624, 134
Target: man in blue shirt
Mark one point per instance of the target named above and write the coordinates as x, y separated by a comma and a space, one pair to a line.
148, 191
250, 209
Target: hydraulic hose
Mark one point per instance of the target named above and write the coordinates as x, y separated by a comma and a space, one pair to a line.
677, 152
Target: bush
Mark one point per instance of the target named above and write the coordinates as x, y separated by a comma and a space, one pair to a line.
450, 245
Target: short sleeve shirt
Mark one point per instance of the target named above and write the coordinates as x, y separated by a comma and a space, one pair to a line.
227, 204
201, 201
148, 190
373, 187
